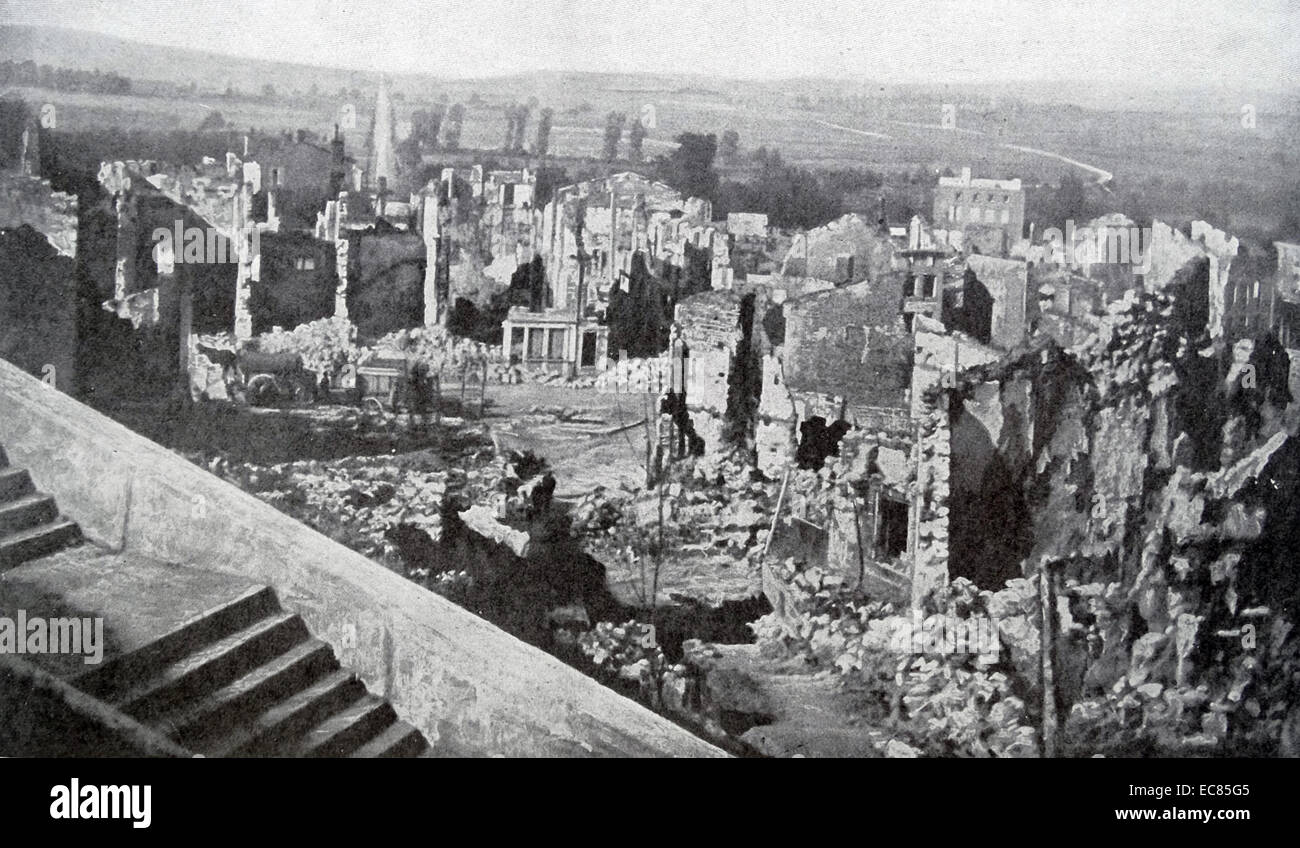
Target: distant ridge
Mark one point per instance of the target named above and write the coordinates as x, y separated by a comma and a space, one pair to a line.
138, 60
144, 62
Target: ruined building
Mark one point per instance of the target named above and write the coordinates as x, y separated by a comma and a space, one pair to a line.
848, 250
980, 215
718, 350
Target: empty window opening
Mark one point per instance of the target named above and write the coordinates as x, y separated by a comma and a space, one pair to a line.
817, 441
555, 345
891, 533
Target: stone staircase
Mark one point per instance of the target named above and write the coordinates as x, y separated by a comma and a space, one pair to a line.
246, 678
30, 524
241, 677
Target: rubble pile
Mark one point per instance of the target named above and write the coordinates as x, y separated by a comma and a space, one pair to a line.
1195, 653
325, 345
329, 344
596, 513
441, 351
810, 494
1162, 496
919, 691
373, 504
716, 513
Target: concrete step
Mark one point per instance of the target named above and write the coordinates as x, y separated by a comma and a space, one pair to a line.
399, 739
32, 542
14, 482
244, 608
243, 699
346, 730
275, 729
26, 511
212, 666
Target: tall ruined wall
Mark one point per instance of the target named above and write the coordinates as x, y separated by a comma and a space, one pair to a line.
849, 342
385, 282
1007, 282
930, 493
724, 371
1170, 253
288, 293
774, 430
711, 330
38, 290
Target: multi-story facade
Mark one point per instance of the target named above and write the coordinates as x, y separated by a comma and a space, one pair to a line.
989, 213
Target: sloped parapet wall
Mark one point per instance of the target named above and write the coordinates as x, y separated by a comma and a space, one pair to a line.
468, 686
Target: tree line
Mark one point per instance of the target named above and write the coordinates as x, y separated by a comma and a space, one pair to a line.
29, 73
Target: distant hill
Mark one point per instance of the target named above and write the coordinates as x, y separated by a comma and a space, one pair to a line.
143, 62
136, 60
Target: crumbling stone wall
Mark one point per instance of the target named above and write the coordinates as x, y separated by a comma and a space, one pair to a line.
774, 431
144, 207
1141, 474
850, 342
872, 468
38, 307
821, 252
930, 493
723, 371
940, 352
385, 282
28, 200
38, 291
1171, 251
1006, 280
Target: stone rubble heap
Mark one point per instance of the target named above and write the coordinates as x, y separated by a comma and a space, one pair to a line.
361, 501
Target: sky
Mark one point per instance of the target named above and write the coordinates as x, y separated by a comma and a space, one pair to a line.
1144, 42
